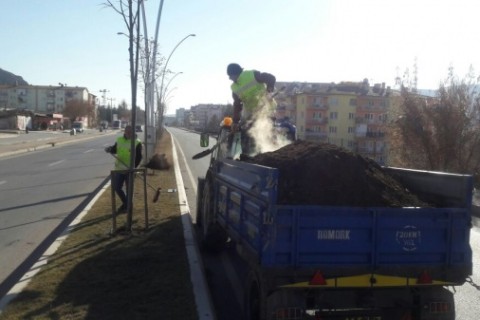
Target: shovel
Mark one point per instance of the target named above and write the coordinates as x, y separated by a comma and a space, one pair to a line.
220, 140
205, 152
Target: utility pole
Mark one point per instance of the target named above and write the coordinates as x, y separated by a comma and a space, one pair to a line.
110, 119
104, 97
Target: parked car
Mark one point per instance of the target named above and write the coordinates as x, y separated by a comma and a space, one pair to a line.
78, 126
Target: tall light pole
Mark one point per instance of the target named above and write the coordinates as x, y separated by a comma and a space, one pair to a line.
154, 57
150, 137
165, 69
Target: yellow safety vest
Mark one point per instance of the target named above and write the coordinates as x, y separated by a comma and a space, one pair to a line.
123, 153
249, 90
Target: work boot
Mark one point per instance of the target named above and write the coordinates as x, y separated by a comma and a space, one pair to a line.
122, 209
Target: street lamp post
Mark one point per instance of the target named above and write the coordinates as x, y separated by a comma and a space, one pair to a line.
165, 68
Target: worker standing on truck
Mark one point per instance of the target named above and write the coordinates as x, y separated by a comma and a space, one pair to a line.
121, 149
251, 91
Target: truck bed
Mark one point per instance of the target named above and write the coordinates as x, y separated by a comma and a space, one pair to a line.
348, 240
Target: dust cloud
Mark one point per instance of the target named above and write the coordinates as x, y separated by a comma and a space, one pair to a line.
267, 137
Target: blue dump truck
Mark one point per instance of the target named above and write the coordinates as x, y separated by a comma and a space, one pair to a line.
338, 262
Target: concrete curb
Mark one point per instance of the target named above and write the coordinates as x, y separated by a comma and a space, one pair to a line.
203, 299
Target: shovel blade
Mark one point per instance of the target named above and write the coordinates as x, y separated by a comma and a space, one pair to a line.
202, 154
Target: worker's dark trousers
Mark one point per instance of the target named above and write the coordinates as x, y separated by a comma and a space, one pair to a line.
118, 181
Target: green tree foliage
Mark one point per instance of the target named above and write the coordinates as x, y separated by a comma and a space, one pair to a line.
440, 133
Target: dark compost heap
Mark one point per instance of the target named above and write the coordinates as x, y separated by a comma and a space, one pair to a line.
323, 174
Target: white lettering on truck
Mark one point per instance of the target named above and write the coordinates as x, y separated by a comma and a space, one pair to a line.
409, 238
333, 234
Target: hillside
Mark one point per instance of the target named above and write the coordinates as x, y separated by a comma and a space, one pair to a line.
9, 78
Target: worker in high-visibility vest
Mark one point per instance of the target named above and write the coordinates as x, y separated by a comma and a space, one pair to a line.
121, 149
251, 92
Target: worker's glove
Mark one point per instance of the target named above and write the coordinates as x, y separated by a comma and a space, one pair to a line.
108, 149
269, 96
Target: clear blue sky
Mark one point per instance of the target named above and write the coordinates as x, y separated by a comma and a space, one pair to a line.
76, 42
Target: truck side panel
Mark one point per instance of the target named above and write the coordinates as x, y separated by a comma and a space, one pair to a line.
398, 240
370, 239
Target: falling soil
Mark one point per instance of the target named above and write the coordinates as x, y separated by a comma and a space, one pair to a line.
323, 174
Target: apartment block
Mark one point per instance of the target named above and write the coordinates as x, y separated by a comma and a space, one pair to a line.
42, 99
206, 116
352, 115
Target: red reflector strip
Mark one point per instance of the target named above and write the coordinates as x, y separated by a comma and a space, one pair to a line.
424, 278
318, 279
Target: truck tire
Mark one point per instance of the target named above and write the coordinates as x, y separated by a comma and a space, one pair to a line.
214, 237
198, 216
252, 307
255, 300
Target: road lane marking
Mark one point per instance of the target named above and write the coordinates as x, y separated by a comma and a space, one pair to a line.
88, 151
55, 163
189, 172
3, 182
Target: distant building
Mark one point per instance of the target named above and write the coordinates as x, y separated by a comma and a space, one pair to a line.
352, 115
207, 117
43, 99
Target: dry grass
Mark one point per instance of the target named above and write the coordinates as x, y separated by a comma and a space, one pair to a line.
142, 274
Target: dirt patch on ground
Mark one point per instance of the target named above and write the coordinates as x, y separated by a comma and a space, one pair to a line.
323, 174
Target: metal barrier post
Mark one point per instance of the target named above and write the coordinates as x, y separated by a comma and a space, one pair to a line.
114, 210
142, 171
145, 197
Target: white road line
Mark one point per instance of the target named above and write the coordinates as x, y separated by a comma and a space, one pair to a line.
88, 151
3, 182
55, 163
193, 182
201, 293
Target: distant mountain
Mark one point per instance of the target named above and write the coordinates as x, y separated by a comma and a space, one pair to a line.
9, 78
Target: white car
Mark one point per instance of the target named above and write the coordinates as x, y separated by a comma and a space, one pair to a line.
78, 126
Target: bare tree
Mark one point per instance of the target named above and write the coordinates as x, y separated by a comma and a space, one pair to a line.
75, 109
439, 133
130, 16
